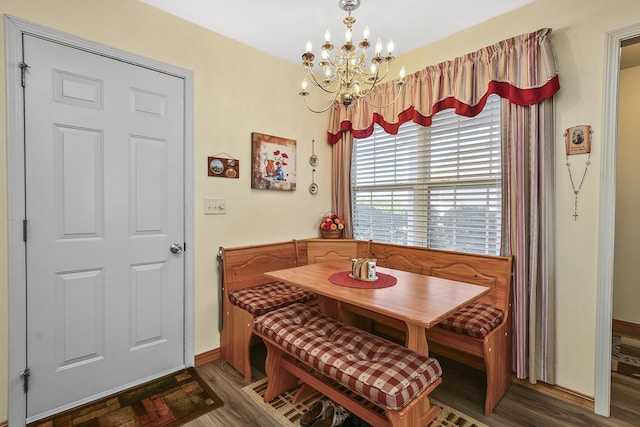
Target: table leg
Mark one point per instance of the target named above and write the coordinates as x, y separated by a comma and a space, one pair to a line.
329, 306
416, 339
352, 316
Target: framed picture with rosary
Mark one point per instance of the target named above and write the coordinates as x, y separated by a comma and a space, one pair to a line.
577, 140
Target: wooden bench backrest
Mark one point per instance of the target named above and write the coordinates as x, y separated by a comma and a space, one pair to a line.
485, 270
332, 249
245, 266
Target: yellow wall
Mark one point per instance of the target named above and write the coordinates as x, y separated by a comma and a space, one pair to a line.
230, 103
238, 90
626, 290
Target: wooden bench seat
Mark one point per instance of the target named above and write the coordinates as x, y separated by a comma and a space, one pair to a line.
262, 299
248, 293
478, 335
396, 379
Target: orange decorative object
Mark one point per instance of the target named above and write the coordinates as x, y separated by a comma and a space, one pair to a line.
270, 166
331, 226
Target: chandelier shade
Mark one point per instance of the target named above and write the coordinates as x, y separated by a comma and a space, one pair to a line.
347, 73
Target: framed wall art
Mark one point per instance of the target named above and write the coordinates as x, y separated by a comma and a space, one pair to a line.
578, 140
273, 162
223, 167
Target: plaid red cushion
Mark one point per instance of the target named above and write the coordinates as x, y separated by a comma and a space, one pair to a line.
475, 320
384, 372
262, 299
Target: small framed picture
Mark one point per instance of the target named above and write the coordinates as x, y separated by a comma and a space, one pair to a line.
578, 139
223, 167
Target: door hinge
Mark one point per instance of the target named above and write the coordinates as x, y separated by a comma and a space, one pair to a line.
23, 72
24, 230
25, 379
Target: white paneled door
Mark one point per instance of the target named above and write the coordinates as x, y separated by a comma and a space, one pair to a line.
104, 204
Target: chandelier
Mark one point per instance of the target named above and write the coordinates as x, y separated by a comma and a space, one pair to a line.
347, 73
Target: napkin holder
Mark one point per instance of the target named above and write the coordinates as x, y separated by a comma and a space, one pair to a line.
364, 269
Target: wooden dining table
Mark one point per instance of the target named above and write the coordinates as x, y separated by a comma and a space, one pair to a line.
417, 300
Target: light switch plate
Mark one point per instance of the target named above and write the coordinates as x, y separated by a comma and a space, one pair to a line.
215, 206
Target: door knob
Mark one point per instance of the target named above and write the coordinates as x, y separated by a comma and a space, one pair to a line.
176, 248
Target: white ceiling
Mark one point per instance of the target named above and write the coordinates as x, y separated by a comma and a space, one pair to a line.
282, 27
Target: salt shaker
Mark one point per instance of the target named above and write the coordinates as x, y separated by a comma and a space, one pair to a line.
371, 270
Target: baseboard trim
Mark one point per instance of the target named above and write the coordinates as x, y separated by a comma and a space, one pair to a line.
559, 393
203, 358
628, 327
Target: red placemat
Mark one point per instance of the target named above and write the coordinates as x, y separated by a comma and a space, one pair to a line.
343, 279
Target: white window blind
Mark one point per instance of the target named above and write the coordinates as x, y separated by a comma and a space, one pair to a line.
437, 186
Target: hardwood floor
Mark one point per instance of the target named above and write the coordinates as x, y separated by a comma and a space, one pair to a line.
462, 388
238, 410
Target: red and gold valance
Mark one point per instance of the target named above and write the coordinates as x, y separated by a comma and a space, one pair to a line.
522, 69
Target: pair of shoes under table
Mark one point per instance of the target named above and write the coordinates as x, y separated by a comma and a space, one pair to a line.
324, 413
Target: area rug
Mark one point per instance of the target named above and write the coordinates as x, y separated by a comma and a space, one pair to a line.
169, 401
286, 413
625, 355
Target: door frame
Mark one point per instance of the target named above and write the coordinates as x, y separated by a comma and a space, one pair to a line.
15, 28
607, 216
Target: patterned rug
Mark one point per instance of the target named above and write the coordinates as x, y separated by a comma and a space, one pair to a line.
168, 401
625, 358
286, 413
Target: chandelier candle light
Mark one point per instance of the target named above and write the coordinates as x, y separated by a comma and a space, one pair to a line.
348, 75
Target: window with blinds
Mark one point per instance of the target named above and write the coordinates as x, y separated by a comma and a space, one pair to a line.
437, 186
